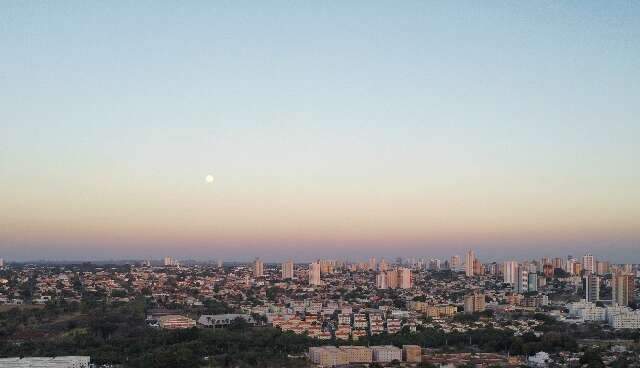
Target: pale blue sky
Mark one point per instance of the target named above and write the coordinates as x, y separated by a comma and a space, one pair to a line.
526, 110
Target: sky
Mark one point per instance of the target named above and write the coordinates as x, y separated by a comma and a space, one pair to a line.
332, 129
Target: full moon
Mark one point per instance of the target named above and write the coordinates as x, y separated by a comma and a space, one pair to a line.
209, 179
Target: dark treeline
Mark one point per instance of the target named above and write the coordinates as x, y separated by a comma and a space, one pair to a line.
118, 334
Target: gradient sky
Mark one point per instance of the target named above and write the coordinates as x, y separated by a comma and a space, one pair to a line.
333, 129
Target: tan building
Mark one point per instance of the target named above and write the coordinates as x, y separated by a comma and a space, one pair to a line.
602, 267
258, 268
474, 303
469, 262
314, 274
404, 278
327, 266
622, 287
358, 354
174, 322
577, 268
328, 356
287, 270
434, 311
412, 353
394, 279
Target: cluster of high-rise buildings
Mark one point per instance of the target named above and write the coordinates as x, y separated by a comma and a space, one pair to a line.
522, 277
387, 277
170, 262
398, 278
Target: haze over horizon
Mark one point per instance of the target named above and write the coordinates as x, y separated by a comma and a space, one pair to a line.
330, 129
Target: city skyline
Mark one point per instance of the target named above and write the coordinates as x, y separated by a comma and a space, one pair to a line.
322, 130
509, 262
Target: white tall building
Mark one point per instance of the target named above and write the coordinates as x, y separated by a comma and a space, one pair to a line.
1, 262
589, 263
522, 285
511, 272
287, 270
314, 274
468, 265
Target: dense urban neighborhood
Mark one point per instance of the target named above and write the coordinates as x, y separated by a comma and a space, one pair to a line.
414, 312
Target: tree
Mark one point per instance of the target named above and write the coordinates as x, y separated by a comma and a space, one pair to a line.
426, 365
239, 323
592, 359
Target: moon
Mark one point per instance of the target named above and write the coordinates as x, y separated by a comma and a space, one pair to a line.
209, 179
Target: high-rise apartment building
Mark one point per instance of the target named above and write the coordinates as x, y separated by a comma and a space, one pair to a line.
474, 303
170, 261
383, 265
314, 274
522, 285
589, 263
434, 264
287, 270
622, 287
258, 268
455, 262
1, 262
445, 265
577, 268
394, 279
602, 267
327, 266
510, 272
478, 267
557, 263
532, 282
404, 278
570, 265
469, 263
591, 287
381, 280
372, 263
